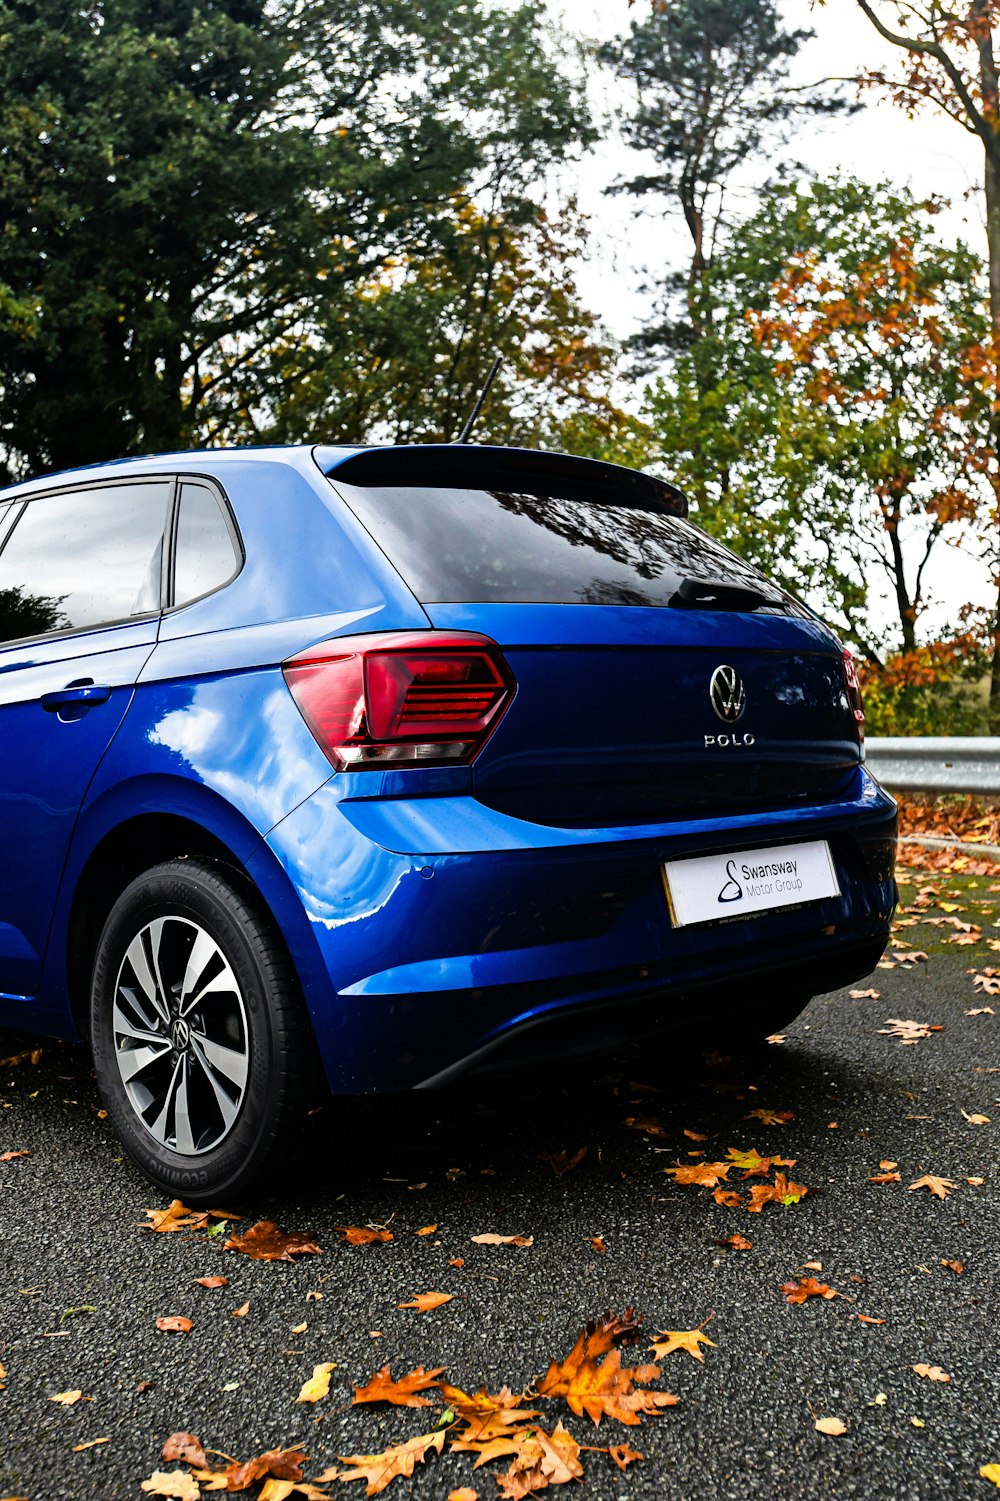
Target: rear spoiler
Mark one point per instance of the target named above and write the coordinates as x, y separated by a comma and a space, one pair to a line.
478, 466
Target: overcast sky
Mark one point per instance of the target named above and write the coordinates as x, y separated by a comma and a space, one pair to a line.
930, 153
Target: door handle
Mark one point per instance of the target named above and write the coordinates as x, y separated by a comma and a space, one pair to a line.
80, 696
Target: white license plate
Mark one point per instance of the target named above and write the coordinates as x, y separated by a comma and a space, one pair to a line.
731, 885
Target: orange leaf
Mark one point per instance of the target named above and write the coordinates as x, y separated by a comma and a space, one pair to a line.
381, 1469
356, 1235
867, 1319
735, 1243
832, 1426
265, 1242
623, 1455
932, 1372
241, 1312
425, 1302
598, 1386
701, 1174
781, 1191
175, 1324
939, 1187
503, 1240
184, 1446
402, 1393
427, 1230
212, 1281
9, 1156
770, 1117
668, 1340
884, 1178
807, 1287
958, 1267
174, 1483
598, 1245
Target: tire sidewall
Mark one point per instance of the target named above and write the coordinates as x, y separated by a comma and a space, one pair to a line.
201, 897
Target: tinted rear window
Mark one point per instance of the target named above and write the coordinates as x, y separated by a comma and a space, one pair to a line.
457, 546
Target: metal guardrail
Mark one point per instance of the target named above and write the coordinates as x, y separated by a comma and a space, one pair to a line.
922, 763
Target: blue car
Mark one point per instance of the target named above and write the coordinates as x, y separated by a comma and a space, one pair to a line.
361, 768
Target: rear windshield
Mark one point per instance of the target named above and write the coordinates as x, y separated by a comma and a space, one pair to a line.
486, 546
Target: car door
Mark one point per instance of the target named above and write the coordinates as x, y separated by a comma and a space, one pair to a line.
80, 598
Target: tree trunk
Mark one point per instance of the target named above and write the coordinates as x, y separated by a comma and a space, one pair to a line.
988, 87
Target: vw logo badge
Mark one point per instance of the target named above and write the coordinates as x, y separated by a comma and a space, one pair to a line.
728, 694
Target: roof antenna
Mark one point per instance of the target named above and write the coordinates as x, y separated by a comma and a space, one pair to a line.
464, 435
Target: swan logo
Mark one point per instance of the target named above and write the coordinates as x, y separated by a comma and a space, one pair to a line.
732, 891
727, 694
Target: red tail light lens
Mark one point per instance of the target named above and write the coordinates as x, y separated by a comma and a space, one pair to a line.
405, 699
854, 695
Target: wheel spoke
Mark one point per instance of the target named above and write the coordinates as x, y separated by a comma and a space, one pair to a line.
183, 1134
232, 1063
227, 1106
126, 1028
155, 931
203, 951
136, 956
158, 1127
134, 1061
224, 983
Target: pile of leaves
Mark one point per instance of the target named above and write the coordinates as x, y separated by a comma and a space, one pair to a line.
962, 819
749, 1164
540, 1452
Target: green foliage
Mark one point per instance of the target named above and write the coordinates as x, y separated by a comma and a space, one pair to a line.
185, 188
815, 425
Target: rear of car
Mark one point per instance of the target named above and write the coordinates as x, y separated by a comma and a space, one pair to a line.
615, 789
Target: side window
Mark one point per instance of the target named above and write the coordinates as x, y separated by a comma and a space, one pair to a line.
205, 556
83, 558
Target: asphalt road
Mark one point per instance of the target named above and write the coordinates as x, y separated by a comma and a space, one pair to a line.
81, 1285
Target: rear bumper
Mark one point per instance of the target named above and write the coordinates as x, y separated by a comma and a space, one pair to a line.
419, 963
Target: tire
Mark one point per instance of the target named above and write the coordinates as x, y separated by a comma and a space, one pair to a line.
203, 1052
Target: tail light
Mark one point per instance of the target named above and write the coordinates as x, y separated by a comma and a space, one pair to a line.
404, 699
854, 696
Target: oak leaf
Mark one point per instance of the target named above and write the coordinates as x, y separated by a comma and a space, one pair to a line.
770, 1117
184, 1446
932, 1372
363, 1235
781, 1191
503, 1240
318, 1385
908, 1032
939, 1187
175, 1323
282, 1464
735, 1243
593, 1382
486, 1418
562, 1162
177, 1216
402, 1393
541, 1459
884, 1178
754, 1165
668, 1340
426, 1302
175, 1483
381, 1469
623, 1455
807, 1287
727, 1196
265, 1242
701, 1174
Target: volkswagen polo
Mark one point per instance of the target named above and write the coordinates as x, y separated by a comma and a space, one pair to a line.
373, 766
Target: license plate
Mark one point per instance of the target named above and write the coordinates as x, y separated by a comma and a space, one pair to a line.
731, 885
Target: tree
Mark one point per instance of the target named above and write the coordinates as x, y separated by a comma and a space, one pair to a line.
182, 187
712, 92
404, 357
819, 429
950, 61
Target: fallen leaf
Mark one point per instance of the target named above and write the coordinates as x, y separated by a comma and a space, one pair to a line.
975, 1119
753, 1165
457, 1261
488, 1419
426, 1230
9, 1156
867, 1319
175, 1217
90, 1444
318, 1385
212, 1281
540, 1459
668, 1340
175, 1323
990, 1472
770, 1117
401, 1393
981, 1011
175, 1483
69, 1399
503, 1240
363, 1235
735, 1242
623, 1455
593, 1382
380, 1469
884, 1178
425, 1302
939, 1187
650, 1125
265, 1242
562, 1162
727, 1196
886, 1165
958, 1267
832, 1426
300, 1328
918, 1422
908, 1032
281, 1464
184, 1446
781, 1191
865, 995
932, 1372
464, 1493
701, 1174
807, 1287
241, 1312
975, 1182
